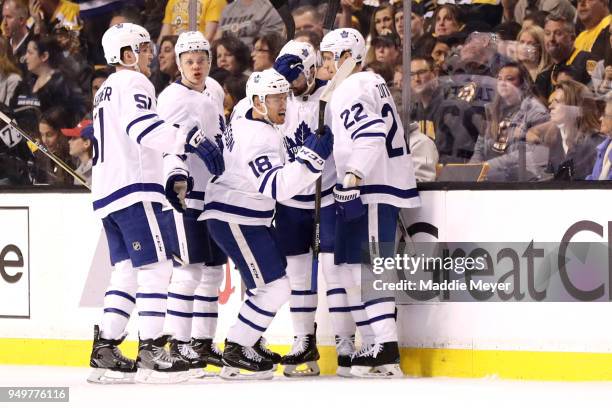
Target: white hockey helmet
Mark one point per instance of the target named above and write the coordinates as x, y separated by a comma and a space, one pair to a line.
305, 52
120, 36
264, 83
191, 41
344, 39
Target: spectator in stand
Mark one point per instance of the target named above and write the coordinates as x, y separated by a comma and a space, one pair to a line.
266, 50
167, 60
524, 8
311, 37
602, 170
573, 146
559, 38
97, 79
427, 95
247, 19
10, 76
420, 39
530, 51
176, 18
382, 21
47, 14
439, 53
537, 18
387, 49
231, 54
76, 66
80, 141
307, 18
602, 76
447, 20
235, 90
46, 85
15, 28
47, 172
595, 17
513, 112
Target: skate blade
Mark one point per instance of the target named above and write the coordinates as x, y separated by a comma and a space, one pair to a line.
344, 372
147, 376
233, 373
308, 369
383, 371
197, 373
108, 376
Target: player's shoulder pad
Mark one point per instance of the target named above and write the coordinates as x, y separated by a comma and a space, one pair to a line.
215, 87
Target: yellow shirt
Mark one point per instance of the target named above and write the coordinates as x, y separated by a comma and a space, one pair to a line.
177, 14
67, 13
586, 39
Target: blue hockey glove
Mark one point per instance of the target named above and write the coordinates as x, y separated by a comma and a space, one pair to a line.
289, 66
177, 188
206, 150
316, 150
349, 205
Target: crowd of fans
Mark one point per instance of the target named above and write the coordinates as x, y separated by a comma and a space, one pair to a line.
522, 85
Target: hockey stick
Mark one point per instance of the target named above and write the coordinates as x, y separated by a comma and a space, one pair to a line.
343, 72
43, 149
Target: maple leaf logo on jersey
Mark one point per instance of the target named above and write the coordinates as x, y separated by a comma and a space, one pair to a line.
344, 34
299, 137
304, 52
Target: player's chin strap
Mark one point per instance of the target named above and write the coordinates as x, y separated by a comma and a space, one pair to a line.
265, 112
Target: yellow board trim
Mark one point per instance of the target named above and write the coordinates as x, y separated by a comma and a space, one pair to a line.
523, 365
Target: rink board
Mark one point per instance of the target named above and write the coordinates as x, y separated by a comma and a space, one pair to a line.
66, 268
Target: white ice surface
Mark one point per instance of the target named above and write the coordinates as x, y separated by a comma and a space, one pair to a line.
318, 392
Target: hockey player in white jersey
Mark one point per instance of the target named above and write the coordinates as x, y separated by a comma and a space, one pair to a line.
127, 195
294, 221
240, 206
375, 179
193, 100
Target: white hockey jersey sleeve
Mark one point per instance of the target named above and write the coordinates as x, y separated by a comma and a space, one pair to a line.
274, 178
142, 123
362, 122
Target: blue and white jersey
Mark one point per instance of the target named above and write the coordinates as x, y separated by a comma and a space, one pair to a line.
129, 141
301, 119
185, 107
256, 175
369, 141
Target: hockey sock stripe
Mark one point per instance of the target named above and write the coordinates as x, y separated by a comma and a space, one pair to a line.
336, 291
197, 314
181, 297
358, 307
179, 314
152, 314
122, 294
302, 309
257, 309
151, 296
364, 323
342, 309
250, 323
117, 311
207, 298
380, 300
303, 292
382, 317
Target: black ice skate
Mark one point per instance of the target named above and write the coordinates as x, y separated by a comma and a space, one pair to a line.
209, 352
182, 349
157, 366
252, 364
381, 360
303, 353
109, 365
345, 348
262, 349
